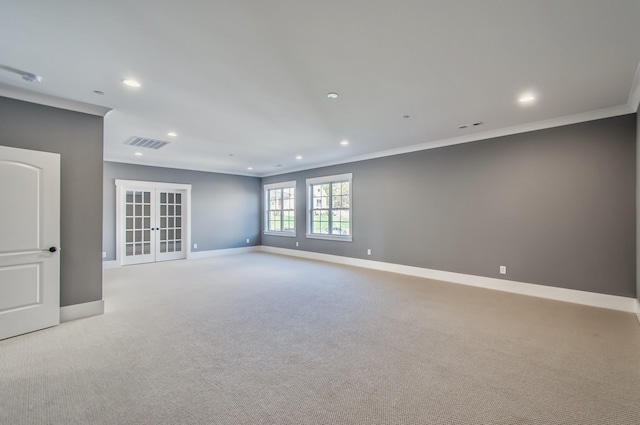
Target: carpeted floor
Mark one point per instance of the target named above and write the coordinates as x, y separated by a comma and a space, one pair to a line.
264, 339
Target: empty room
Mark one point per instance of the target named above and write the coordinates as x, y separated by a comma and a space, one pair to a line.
338, 212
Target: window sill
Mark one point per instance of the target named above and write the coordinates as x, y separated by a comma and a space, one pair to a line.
287, 234
330, 237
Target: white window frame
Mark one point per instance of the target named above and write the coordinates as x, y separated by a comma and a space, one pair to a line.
323, 180
266, 189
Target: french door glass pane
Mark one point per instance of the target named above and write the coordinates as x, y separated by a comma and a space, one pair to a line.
170, 222
137, 222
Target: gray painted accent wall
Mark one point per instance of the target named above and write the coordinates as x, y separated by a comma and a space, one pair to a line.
556, 206
77, 137
225, 208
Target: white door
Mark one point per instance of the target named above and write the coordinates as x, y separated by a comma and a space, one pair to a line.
152, 221
169, 225
29, 241
139, 226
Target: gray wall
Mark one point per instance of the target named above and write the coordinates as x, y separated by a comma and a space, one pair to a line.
77, 138
225, 208
556, 206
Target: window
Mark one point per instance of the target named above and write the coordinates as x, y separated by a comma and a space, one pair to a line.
280, 209
329, 207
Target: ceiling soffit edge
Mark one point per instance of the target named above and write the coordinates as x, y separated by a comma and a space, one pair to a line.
48, 100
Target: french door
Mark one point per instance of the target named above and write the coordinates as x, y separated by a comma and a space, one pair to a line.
153, 221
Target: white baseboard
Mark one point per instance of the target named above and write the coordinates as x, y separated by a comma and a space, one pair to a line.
80, 311
112, 264
613, 302
218, 252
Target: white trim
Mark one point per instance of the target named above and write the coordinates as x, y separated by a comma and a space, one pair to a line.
152, 185
328, 179
159, 163
220, 252
274, 233
80, 311
638, 310
523, 128
634, 94
593, 299
291, 183
196, 255
336, 178
111, 264
346, 238
48, 100
265, 210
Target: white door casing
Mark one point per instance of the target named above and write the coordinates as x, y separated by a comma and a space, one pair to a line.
152, 221
29, 241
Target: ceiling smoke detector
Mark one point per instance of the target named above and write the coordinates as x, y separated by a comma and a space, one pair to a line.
475, 124
27, 76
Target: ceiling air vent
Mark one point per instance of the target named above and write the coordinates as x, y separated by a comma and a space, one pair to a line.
142, 142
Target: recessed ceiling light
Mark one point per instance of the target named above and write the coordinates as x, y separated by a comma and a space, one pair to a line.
171, 134
249, 168
527, 98
332, 95
131, 83
344, 142
138, 154
299, 157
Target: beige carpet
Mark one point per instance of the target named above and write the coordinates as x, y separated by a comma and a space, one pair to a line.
263, 339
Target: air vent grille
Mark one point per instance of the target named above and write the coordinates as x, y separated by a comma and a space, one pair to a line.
142, 142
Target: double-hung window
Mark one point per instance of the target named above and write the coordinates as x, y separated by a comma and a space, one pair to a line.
280, 209
329, 207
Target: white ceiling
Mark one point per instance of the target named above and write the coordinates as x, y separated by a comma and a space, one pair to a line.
250, 78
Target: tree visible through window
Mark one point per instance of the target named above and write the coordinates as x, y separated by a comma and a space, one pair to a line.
330, 206
280, 208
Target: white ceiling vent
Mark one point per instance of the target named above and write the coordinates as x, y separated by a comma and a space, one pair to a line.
142, 142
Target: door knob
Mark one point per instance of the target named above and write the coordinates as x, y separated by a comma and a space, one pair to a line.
52, 249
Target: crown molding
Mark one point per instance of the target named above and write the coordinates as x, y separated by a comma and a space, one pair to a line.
506, 131
48, 100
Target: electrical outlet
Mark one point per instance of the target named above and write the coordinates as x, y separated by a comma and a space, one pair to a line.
297, 244
104, 254
195, 246
247, 240
503, 269
368, 251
